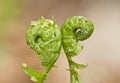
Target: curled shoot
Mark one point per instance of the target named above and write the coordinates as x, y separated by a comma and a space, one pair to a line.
44, 37
74, 29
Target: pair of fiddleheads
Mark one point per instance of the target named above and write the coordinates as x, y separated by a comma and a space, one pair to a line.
46, 38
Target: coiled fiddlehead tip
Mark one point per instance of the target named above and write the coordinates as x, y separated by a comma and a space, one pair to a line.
81, 27
44, 37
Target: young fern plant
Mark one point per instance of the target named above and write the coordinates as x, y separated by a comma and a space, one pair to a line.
46, 38
74, 29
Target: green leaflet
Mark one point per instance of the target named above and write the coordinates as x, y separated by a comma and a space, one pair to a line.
33, 73
74, 29
46, 38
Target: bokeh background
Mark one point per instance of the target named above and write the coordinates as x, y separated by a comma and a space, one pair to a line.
101, 51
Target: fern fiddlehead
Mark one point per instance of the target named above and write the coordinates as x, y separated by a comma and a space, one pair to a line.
44, 37
74, 29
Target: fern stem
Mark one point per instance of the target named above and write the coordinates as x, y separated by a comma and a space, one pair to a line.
45, 73
72, 75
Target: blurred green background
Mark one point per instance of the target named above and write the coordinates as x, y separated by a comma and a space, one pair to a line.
9, 10
101, 51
